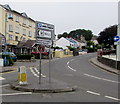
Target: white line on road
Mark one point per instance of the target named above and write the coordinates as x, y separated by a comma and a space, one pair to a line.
44, 76
101, 78
71, 68
23, 93
94, 93
1, 78
67, 62
112, 98
4, 85
34, 72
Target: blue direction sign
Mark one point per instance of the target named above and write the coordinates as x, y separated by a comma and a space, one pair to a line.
116, 38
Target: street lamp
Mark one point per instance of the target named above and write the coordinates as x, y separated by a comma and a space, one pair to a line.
5, 44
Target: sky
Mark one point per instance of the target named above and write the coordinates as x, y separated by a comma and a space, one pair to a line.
68, 16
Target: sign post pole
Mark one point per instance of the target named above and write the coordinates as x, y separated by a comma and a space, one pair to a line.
49, 64
116, 39
40, 67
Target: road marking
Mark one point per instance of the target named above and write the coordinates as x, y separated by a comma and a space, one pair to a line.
44, 76
4, 85
101, 78
112, 98
67, 62
71, 68
23, 93
94, 93
37, 72
33, 72
1, 78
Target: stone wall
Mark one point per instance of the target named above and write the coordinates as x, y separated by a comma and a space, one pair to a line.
109, 62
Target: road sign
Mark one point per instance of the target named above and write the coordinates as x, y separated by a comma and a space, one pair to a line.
44, 34
44, 42
116, 38
45, 30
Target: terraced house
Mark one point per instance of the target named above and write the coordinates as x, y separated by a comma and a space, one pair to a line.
15, 27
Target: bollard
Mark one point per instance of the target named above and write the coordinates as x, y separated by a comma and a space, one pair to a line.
22, 77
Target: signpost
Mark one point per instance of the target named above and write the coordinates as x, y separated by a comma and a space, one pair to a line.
116, 39
44, 37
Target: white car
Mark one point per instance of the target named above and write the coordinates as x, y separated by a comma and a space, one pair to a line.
82, 52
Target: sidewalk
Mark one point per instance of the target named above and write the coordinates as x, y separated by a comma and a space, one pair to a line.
103, 66
55, 86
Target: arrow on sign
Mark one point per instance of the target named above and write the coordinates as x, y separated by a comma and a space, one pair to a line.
116, 38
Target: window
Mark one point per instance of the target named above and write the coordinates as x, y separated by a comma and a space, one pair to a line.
10, 28
23, 39
24, 21
30, 24
16, 38
10, 37
29, 33
24, 31
17, 29
17, 19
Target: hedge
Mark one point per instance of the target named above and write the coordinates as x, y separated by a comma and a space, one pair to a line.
24, 57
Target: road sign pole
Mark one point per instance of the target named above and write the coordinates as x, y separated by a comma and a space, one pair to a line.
49, 64
40, 67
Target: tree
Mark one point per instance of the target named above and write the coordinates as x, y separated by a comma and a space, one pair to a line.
107, 36
76, 34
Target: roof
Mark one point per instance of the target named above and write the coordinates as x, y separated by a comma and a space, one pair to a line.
26, 44
7, 7
71, 40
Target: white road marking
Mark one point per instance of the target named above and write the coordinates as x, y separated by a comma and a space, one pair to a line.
71, 68
101, 78
67, 62
37, 72
1, 78
44, 76
94, 93
34, 72
4, 85
23, 93
112, 98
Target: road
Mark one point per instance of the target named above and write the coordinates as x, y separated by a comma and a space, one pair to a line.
93, 84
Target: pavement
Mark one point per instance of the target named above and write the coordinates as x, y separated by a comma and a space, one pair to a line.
103, 66
53, 86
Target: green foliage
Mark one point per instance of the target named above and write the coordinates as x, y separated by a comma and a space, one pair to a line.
76, 34
70, 48
91, 47
106, 36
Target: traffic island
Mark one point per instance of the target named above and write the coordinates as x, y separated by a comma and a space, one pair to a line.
45, 87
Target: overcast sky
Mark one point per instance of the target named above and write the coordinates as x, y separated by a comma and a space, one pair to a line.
67, 16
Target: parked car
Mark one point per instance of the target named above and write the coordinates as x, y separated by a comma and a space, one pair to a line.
12, 55
82, 52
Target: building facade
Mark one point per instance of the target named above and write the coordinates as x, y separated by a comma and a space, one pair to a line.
15, 27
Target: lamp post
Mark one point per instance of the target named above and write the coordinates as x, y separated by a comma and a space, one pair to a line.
5, 43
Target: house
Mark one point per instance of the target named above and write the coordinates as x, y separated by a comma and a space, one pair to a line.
25, 47
64, 42
15, 26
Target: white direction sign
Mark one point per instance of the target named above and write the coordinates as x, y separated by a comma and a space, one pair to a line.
44, 42
44, 34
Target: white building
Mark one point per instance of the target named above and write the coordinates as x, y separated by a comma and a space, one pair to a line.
64, 42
